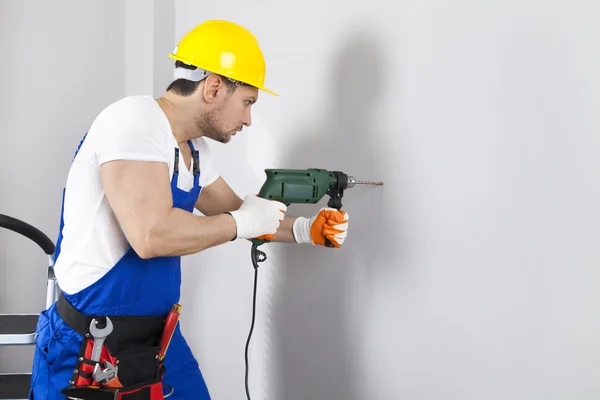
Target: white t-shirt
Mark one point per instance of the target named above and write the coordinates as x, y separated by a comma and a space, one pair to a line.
134, 128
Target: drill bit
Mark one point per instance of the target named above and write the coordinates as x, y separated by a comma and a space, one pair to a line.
352, 181
368, 183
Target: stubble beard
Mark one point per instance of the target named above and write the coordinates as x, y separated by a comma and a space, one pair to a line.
210, 127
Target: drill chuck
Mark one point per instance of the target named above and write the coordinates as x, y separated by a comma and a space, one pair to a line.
351, 181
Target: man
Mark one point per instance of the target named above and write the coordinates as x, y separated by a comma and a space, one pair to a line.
127, 218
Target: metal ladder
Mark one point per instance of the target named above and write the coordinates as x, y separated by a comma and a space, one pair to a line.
19, 329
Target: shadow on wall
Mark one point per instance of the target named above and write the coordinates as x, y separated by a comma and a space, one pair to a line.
314, 333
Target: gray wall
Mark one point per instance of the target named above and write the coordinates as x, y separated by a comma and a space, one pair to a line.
61, 64
62, 61
471, 274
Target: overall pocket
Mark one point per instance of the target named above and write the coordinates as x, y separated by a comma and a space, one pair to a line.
54, 340
40, 374
55, 355
43, 335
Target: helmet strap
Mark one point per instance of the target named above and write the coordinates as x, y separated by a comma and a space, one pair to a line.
196, 75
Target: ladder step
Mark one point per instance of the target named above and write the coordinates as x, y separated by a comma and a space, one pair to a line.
17, 328
14, 386
14, 324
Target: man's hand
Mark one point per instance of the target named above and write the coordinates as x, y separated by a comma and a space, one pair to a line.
257, 217
328, 223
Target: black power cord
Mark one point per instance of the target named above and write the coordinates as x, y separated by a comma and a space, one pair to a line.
257, 256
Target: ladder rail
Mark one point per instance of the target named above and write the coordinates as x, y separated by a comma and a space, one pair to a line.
15, 386
44, 242
29, 231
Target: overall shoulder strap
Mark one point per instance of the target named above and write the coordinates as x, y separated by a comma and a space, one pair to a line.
62, 208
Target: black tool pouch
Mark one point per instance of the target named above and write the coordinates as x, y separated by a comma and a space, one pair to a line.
132, 347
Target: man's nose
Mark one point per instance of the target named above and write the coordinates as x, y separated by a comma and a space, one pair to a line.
247, 118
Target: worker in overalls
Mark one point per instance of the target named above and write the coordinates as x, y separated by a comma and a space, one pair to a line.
127, 217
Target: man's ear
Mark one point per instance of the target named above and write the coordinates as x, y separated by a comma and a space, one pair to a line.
212, 85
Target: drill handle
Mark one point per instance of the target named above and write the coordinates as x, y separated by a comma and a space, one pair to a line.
335, 201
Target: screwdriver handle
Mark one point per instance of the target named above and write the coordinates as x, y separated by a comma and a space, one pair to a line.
169, 329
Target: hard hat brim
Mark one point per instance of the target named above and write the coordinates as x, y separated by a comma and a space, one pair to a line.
174, 57
268, 91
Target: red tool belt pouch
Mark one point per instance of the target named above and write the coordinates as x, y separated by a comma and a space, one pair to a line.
128, 367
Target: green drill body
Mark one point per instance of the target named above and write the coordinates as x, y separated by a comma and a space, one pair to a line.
305, 186
297, 185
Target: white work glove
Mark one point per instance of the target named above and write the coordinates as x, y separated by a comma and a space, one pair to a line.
257, 217
328, 223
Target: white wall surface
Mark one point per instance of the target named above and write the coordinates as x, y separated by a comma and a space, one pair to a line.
473, 273
149, 36
62, 63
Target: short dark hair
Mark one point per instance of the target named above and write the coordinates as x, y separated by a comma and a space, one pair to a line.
184, 87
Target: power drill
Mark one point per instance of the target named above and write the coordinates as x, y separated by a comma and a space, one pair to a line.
299, 186
307, 186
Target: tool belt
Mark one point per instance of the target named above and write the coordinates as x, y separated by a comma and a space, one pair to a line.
122, 362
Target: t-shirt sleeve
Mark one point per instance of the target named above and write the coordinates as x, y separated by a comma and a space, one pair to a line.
208, 170
128, 132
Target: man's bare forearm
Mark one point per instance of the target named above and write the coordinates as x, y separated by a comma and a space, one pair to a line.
181, 233
285, 233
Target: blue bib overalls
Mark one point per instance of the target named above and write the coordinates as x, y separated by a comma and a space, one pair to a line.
133, 287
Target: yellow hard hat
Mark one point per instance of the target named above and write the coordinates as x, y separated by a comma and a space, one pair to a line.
224, 48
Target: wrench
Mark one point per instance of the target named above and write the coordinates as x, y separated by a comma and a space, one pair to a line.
105, 375
99, 336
